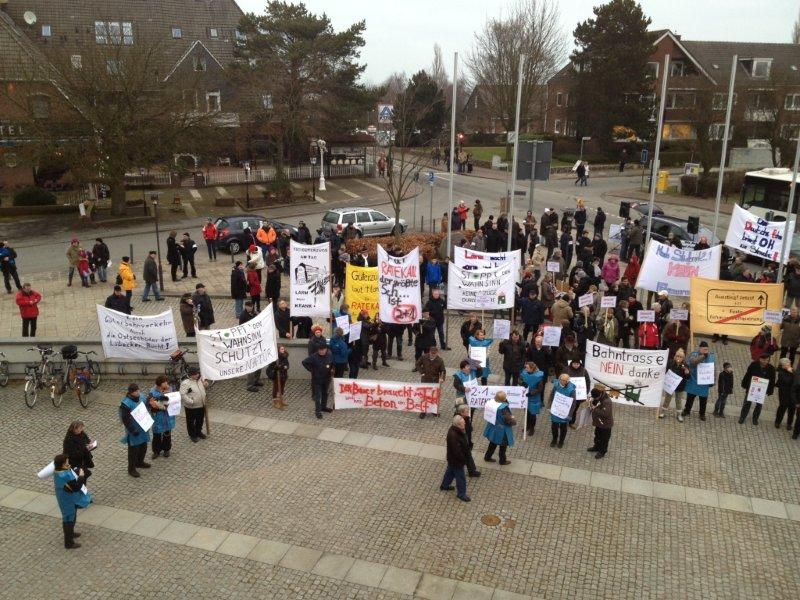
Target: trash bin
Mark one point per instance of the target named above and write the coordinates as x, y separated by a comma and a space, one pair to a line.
663, 181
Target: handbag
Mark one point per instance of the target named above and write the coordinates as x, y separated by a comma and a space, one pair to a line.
118, 280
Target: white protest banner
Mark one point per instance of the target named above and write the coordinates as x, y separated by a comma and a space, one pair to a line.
388, 395
670, 269
671, 381
679, 314
757, 392
471, 260
551, 335
705, 373
646, 316
608, 302
553, 266
242, 349
490, 411
399, 299
773, 316
580, 387
138, 337
478, 354
749, 233
142, 417
585, 300
478, 395
309, 279
632, 376
501, 329
174, 406
343, 323
47, 471
561, 406
355, 330
482, 289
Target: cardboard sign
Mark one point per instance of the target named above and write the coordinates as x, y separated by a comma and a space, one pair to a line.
309, 279
561, 407
150, 337
490, 411
669, 269
757, 392
580, 387
705, 373
586, 300
478, 354
344, 323
551, 335
355, 331
608, 302
553, 266
773, 316
501, 329
142, 417
399, 298
671, 381
679, 314
732, 307
634, 377
646, 316
174, 406
477, 396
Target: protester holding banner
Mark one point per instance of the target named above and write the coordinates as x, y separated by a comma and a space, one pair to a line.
676, 337
701, 378
499, 428
78, 447
136, 437
762, 370
580, 378
513, 351
70, 493
469, 328
533, 378
602, 419
163, 423
479, 340
562, 408
680, 370
461, 378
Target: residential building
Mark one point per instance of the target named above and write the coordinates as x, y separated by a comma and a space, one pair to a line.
478, 117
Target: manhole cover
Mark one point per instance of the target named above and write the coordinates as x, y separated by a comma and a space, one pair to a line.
490, 520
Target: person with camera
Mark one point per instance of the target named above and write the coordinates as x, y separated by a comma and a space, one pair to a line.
70, 497
602, 418
163, 422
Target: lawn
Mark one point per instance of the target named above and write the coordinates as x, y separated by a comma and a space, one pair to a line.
486, 153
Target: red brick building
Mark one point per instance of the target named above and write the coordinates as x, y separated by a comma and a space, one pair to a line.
478, 117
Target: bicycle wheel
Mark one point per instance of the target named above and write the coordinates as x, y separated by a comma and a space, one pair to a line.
3, 373
72, 376
31, 391
47, 370
94, 369
57, 389
83, 394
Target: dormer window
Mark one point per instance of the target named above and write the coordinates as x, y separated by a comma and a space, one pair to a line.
761, 68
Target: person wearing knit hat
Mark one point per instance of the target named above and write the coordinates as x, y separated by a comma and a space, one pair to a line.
135, 436
695, 389
602, 419
255, 257
317, 340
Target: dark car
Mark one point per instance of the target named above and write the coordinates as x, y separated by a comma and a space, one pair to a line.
230, 230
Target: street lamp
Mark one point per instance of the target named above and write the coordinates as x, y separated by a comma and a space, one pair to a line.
584, 139
246, 165
141, 180
322, 146
154, 198
313, 164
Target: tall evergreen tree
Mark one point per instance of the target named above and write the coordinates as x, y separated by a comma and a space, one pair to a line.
614, 85
421, 115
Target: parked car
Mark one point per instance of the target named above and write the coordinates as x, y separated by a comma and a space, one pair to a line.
368, 221
663, 226
230, 230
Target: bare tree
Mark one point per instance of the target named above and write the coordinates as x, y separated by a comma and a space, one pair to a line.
796, 31
393, 86
531, 29
438, 72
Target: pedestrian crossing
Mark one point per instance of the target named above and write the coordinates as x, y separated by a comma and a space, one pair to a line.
195, 194
370, 185
344, 190
222, 191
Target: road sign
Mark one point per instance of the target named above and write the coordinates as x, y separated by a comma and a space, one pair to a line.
385, 113
431, 178
544, 154
645, 156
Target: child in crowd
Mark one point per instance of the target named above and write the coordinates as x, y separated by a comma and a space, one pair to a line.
724, 389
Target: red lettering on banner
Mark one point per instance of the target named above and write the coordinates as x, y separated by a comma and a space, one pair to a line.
398, 271
612, 367
399, 396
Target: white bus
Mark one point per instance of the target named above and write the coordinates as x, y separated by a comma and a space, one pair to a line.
766, 194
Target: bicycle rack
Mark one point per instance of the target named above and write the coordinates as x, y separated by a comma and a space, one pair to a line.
120, 369
144, 370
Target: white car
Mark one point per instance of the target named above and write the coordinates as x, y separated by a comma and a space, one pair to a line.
368, 221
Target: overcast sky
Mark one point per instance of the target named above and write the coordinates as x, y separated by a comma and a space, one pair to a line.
400, 35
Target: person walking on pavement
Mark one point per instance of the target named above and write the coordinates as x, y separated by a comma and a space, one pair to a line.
28, 302
174, 254
203, 306
70, 497
73, 258
500, 433
193, 396
101, 255
126, 278
188, 250
320, 365
763, 370
150, 276
457, 458
8, 265
210, 236
118, 301
239, 288
464, 411
135, 437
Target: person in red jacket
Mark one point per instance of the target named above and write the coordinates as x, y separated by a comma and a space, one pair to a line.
28, 302
763, 343
649, 338
210, 236
254, 286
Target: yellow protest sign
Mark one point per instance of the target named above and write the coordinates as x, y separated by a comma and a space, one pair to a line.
361, 290
732, 307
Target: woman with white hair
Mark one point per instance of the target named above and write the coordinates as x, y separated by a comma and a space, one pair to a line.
500, 432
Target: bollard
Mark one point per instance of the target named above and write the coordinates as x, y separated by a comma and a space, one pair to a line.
131, 252
422, 223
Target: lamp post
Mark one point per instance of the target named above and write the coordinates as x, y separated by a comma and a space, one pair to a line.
313, 189
246, 165
321, 144
154, 198
584, 139
141, 180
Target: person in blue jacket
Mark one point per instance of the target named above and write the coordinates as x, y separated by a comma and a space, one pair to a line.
501, 433
135, 437
694, 389
340, 352
433, 273
532, 377
342, 311
163, 423
478, 340
70, 498
558, 426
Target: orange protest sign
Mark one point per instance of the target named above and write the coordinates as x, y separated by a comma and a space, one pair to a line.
732, 307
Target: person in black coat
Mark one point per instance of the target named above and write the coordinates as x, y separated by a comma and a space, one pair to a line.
565, 243
532, 313
283, 320
272, 289
303, 235
238, 287
174, 254
599, 248
435, 306
188, 249
101, 255
464, 411
425, 329
457, 458
77, 447
513, 351
203, 306
762, 369
599, 221
469, 328
118, 301
320, 365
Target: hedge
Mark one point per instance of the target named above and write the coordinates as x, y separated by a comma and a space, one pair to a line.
706, 187
34, 196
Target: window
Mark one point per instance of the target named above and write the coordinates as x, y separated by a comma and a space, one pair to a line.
40, 106
266, 101
363, 217
790, 132
213, 32
761, 68
680, 100
559, 99
677, 68
199, 63
570, 99
557, 126
654, 67
720, 101
240, 35
377, 217
100, 32
113, 66
77, 61
331, 217
717, 130
113, 32
127, 34
571, 129
792, 102
46, 31
349, 218
177, 33
213, 102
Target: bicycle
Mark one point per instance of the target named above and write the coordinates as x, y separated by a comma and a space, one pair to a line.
178, 369
38, 375
81, 378
4, 368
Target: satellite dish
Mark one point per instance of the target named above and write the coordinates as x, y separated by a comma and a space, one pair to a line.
29, 17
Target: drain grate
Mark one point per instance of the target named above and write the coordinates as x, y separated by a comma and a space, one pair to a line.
490, 520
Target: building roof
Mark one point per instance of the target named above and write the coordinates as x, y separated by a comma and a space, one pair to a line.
22, 60
715, 58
